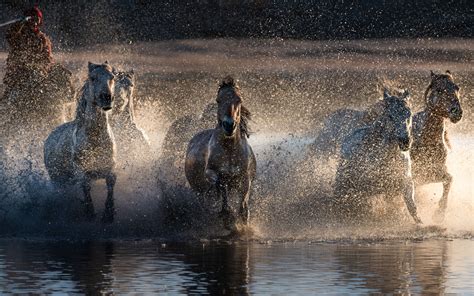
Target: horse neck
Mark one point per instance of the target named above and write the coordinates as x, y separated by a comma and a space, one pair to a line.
229, 143
127, 117
433, 125
378, 133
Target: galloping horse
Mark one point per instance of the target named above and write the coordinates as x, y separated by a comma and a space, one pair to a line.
131, 139
430, 143
221, 158
372, 160
84, 149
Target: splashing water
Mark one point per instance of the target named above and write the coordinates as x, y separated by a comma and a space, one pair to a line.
291, 193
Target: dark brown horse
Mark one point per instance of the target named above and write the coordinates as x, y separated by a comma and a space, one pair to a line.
430, 143
221, 158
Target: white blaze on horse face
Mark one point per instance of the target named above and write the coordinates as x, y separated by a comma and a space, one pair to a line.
102, 85
229, 107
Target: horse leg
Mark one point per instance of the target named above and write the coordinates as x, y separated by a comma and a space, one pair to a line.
88, 204
109, 211
443, 202
409, 198
225, 213
244, 205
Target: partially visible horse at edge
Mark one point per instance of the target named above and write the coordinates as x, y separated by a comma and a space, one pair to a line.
221, 158
430, 142
372, 161
84, 149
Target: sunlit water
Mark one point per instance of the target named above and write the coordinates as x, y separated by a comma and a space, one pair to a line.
429, 267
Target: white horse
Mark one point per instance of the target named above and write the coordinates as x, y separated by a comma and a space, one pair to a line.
84, 149
372, 161
131, 139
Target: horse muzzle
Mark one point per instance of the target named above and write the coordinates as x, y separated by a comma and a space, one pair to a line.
229, 126
455, 115
106, 102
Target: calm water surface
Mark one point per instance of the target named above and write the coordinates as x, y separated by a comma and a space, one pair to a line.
430, 266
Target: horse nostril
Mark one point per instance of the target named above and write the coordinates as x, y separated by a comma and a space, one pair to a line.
228, 125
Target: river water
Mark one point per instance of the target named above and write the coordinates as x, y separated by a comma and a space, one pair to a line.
431, 266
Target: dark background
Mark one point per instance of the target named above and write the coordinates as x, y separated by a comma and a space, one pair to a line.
80, 23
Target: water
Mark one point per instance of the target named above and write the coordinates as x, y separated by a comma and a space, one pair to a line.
408, 267
293, 248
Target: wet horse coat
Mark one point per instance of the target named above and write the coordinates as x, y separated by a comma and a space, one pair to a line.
430, 143
372, 161
84, 149
221, 158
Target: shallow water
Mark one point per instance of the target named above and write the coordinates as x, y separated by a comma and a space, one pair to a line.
429, 266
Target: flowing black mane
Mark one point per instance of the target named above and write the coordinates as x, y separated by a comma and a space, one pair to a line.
81, 101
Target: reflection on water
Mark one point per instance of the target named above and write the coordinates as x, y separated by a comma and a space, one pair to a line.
427, 267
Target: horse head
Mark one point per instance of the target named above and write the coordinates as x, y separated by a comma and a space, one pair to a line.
229, 107
398, 117
444, 99
101, 83
124, 87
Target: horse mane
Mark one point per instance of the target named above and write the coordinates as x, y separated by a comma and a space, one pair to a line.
245, 117
436, 77
82, 101
245, 114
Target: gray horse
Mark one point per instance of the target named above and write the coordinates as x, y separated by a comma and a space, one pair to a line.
84, 149
372, 161
131, 139
221, 158
430, 143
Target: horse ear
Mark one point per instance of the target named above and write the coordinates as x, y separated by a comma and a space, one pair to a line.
385, 93
449, 73
106, 62
432, 73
